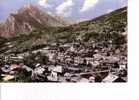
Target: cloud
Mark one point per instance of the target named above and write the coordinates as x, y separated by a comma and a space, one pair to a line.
65, 9
44, 3
123, 2
88, 4
109, 10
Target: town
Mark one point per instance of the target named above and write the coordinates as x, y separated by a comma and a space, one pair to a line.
70, 62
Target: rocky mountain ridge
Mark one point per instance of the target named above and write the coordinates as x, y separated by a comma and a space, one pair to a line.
27, 19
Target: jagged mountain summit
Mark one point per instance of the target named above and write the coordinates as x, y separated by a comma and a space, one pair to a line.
27, 19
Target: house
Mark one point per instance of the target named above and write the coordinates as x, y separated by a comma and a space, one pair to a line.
58, 69
110, 78
7, 77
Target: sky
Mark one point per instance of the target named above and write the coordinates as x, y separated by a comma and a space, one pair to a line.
69, 9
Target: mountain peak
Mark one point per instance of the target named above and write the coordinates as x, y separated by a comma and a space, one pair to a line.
28, 18
29, 6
